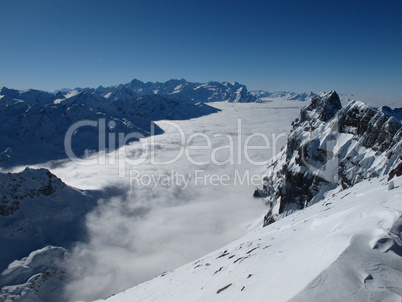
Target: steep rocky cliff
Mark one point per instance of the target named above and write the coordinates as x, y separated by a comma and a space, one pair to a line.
331, 146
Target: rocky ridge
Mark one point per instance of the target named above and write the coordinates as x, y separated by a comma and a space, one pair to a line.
330, 146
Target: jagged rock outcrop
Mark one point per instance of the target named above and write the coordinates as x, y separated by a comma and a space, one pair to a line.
27, 184
331, 146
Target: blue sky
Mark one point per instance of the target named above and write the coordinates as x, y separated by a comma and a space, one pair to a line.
348, 46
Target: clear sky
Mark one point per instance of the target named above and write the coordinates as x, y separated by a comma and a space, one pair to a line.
349, 46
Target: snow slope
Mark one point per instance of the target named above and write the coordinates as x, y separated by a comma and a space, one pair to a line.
347, 247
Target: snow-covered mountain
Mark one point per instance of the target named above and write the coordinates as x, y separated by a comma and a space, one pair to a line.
180, 90
347, 247
40, 217
283, 95
29, 96
330, 146
35, 123
32, 134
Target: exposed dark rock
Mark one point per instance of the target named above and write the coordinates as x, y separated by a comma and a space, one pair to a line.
323, 107
29, 183
8, 208
396, 172
223, 288
372, 128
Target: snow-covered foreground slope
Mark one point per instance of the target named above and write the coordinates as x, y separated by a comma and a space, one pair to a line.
347, 247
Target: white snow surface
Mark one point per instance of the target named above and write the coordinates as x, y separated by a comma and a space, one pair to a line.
347, 247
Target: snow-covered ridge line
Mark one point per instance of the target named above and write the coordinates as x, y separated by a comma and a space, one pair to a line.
179, 90
283, 95
330, 146
182, 90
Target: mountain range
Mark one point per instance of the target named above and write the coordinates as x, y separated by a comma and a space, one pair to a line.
283, 95
35, 122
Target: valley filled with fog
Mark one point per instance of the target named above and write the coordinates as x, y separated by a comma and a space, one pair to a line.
175, 196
